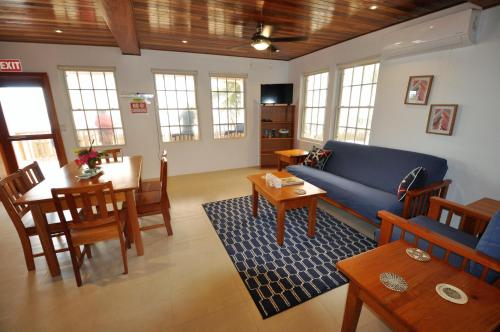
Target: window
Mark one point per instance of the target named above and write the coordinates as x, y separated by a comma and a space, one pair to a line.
355, 109
313, 119
176, 96
95, 109
228, 106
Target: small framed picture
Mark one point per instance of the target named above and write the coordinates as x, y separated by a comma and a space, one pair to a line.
441, 119
418, 90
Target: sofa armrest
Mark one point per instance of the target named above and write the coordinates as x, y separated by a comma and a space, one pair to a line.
417, 201
389, 220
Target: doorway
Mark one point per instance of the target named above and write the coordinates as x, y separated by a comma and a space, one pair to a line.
29, 129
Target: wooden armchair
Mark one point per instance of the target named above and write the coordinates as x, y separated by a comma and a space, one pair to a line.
435, 240
153, 199
93, 223
11, 188
111, 155
417, 201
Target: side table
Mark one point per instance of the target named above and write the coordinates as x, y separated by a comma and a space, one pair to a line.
290, 157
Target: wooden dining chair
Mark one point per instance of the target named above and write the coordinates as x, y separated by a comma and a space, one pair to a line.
11, 188
155, 185
154, 202
112, 155
32, 175
93, 223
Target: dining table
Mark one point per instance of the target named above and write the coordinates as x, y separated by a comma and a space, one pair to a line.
125, 175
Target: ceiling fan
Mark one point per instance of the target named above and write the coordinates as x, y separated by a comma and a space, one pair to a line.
139, 95
262, 40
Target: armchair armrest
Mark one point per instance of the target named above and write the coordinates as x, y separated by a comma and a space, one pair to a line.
389, 220
417, 201
471, 221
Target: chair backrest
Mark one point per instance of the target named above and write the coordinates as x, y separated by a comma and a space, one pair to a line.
11, 188
111, 155
94, 210
32, 174
163, 178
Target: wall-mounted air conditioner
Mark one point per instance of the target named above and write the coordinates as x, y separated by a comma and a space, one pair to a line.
451, 31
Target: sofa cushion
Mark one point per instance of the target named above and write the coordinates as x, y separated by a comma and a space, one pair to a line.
365, 200
380, 168
489, 244
439, 228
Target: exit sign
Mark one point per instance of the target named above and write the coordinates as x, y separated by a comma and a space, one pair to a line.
10, 65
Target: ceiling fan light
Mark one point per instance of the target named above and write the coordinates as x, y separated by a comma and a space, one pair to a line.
261, 44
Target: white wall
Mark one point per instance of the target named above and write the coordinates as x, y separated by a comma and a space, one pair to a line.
469, 77
133, 74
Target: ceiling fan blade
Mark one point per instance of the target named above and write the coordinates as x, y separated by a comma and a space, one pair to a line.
239, 47
289, 39
267, 30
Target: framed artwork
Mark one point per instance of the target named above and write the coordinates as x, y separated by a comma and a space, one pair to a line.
418, 90
441, 119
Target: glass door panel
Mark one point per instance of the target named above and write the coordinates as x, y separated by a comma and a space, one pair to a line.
25, 110
28, 123
41, 150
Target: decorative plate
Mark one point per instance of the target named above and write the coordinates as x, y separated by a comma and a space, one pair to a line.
87, 174
451, 293
418, 254
393, 281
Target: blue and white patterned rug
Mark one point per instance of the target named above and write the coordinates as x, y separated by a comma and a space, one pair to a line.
279, 278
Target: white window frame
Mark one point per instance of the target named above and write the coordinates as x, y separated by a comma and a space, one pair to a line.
245, 113
338, 101
303, 104
177, 72
63, 69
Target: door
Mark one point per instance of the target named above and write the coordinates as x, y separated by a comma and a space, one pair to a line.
29, 129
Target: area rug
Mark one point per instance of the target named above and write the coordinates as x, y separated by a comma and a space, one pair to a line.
279, 278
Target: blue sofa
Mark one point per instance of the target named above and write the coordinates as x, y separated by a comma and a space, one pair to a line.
364, 179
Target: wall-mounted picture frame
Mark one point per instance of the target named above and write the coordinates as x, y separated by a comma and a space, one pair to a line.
419, 88
441, 119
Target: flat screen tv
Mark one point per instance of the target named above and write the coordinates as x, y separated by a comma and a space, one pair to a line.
276, 94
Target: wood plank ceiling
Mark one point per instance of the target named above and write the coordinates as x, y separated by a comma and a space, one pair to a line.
221, 27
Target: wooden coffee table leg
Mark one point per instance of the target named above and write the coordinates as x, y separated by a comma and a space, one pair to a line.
280, 224
311, 225
255, 201
352, 310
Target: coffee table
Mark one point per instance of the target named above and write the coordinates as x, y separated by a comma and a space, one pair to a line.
285, 199
419, 308
290, 157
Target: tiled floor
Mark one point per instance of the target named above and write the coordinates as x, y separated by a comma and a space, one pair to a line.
185, 282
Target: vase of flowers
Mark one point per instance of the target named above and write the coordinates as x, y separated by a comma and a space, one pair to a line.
89, 159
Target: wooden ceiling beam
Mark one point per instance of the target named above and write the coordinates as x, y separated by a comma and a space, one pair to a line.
119, 16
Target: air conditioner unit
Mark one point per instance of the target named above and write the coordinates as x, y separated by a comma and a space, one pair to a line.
451, 31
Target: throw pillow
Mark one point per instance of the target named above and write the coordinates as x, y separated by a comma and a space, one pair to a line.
317, 158
411, 180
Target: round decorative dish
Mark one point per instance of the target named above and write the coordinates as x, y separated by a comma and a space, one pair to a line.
418, 254
393, 281
452, 293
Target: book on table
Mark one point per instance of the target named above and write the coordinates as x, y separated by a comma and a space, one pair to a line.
291, 181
